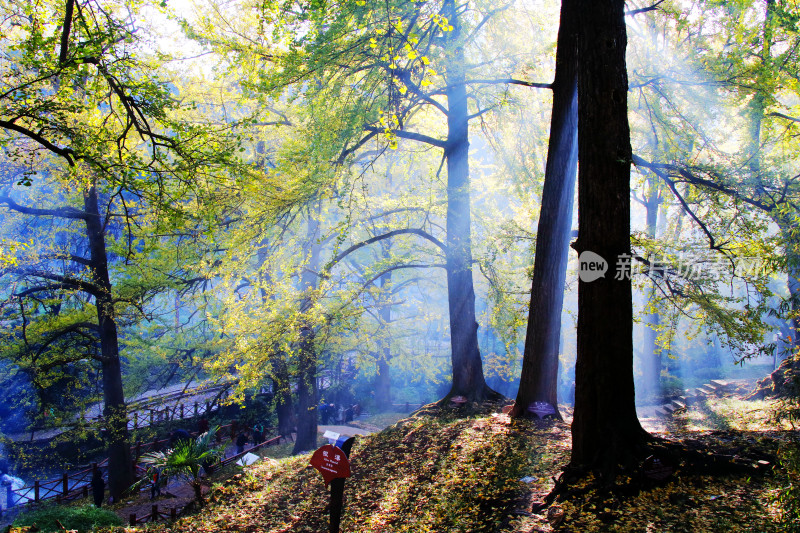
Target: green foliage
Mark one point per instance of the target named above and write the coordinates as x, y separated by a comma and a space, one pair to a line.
51, 518
184, 460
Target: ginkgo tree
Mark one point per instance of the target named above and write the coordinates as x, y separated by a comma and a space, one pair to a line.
81, 103
394, 71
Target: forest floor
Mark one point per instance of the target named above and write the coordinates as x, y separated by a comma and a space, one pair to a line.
486, 472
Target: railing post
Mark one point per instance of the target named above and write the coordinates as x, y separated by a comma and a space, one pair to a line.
154, 513
85, 491
9, 497
138, 449
195, 409
135, 420
132, 520
181, 411
234, 423
36, 490
173, 513
65, 483
151, 417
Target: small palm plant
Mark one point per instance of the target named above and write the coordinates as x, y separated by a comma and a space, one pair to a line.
185, 460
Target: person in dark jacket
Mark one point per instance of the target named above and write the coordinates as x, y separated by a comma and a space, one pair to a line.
98, 487
258, 434
241, 440
155, 483
179, 435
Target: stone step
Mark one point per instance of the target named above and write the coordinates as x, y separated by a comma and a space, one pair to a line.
710, 386
722, 384
704, 391
668, 408
677, 404
660, 413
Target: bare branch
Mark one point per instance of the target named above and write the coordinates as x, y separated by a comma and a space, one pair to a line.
633, 12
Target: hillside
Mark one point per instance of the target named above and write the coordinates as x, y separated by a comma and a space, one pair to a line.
439, 473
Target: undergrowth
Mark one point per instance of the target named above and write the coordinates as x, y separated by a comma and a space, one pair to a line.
52, 517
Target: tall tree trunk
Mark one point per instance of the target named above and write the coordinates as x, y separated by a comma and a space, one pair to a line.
468, 379
282, 398
306, 393
307, 355
383, 382
539, 378
279, 370
651, 353
605, 430
115, 416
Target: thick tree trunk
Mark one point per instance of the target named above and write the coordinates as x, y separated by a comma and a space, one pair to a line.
120, 467
539, 378
605, 430
306, 394
307, 356
468, 379
282, 398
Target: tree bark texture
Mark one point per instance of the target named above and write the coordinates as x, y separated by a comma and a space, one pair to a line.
468, 379
539, 378
307, 356
605, 429
120, 467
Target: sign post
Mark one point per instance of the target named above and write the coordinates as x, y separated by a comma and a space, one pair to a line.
332, 462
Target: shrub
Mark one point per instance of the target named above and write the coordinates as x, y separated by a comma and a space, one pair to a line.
81, 518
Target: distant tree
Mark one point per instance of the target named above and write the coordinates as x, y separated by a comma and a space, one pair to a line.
387, 66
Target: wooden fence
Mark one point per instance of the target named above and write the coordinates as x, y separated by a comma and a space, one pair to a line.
156, 514
75, 485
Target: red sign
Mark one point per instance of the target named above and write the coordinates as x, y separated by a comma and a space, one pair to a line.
331, 462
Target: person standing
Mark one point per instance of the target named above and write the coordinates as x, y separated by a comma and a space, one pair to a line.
241, 440
324, 413
155, 487
258, 434
98, 487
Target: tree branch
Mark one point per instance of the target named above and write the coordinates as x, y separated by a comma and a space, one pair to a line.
633, 12
62, 56
405, 231
65, 281
511, 81
412, 136
62, 212
66, 153
688, 177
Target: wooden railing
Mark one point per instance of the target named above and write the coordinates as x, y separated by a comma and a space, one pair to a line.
76, 485
156, 514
